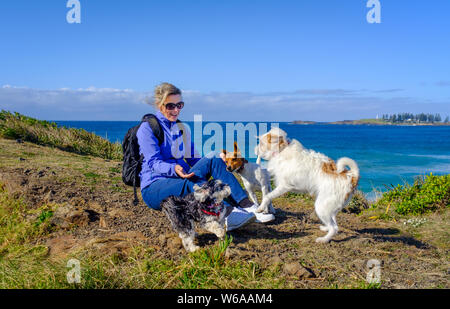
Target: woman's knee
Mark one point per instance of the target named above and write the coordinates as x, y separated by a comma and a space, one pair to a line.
149, 199
155, 205
152, 206
218, 162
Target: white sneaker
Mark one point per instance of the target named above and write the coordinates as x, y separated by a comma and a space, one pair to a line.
238, 218
260, 217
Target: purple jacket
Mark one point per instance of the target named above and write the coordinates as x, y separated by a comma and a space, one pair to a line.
159, 161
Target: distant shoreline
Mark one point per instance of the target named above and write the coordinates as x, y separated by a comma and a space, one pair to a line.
377, 122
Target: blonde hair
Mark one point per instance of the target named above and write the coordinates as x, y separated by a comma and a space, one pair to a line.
162, 91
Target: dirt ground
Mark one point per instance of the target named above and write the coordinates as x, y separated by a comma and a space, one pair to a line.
95, 210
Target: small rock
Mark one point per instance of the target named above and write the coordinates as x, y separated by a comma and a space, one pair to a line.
62, 211
61, 245
297, 270
66, 216
22, 159
78, 217
276, 260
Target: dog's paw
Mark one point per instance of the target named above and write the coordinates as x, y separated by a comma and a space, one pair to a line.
221, 234
322, 240
324, 228
261, 209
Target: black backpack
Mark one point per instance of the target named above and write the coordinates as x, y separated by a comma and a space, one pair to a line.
132, 160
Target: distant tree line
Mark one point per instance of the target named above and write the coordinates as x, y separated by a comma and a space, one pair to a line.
418, 118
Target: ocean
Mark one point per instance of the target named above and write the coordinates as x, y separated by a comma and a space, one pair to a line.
386, 155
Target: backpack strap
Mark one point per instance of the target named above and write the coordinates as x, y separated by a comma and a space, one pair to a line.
156, 127
136, 199
158, 130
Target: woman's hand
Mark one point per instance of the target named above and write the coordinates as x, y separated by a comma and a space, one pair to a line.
180, 172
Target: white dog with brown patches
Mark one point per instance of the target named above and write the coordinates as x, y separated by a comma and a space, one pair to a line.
297, 169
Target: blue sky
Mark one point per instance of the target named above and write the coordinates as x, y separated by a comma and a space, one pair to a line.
235, 60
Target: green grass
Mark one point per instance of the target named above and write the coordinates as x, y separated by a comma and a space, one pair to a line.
17, 126
43, 217
15, 230
371, 121
115, 170
91, 175
427, 194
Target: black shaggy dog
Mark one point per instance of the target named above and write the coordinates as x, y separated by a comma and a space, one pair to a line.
204, 206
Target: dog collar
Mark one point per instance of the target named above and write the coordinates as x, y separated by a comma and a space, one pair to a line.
210, 212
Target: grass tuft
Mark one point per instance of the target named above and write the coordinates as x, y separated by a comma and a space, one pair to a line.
426, 195
17, 126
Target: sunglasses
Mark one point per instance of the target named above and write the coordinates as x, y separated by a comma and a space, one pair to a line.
171, 106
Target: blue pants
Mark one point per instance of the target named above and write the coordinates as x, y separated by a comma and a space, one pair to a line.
207, 167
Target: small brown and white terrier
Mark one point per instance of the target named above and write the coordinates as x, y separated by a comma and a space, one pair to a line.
254, 177
297, 169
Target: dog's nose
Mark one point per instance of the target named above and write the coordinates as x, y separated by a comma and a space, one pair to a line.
228, 168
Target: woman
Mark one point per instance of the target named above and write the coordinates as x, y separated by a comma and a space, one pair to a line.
167, 171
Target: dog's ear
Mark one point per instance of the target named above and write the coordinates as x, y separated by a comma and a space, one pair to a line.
281, 143
221, 193
216, 182
237, 152
200, 194
269, 138
236, 149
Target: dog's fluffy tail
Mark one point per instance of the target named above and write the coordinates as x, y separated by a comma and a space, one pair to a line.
354, 169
